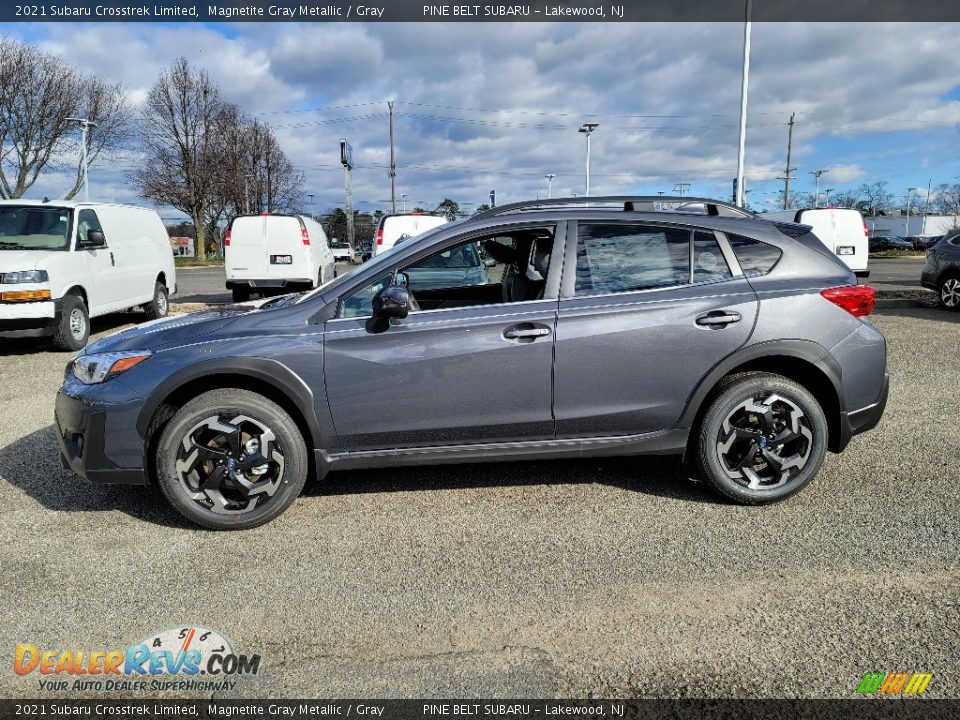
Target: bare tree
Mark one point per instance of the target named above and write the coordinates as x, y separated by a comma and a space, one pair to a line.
844, 198
875, 198
38, 93
180, 131
946, 199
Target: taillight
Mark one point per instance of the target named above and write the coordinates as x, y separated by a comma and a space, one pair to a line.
226, 239
380, 236
866, 233
305, 236
857, 300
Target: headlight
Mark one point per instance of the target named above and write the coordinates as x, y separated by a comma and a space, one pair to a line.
92, 369
24, 276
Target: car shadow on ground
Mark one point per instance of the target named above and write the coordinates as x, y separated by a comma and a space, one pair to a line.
922, 312
32, 464
202, 298
649, 475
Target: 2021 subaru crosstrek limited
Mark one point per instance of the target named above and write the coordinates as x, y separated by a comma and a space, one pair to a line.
627, 326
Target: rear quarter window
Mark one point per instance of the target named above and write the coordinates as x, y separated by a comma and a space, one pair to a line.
755, 257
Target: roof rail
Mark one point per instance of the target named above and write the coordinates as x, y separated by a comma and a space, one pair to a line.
629, 203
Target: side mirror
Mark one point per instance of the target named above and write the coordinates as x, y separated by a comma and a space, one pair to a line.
402, 279
391, 302
94, 239
489, 262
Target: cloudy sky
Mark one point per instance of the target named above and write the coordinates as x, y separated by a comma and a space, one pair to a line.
497, 105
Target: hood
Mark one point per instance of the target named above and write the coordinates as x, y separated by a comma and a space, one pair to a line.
172, 330
16, 260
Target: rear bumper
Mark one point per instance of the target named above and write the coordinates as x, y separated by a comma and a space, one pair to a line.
255, 283
81, 431
866, 418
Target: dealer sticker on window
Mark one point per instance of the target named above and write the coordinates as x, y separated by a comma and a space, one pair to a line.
845, 250
281, 259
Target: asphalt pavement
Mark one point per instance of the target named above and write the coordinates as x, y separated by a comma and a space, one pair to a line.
595, 577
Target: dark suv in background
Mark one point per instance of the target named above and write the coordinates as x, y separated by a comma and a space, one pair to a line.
941, 271
608, 326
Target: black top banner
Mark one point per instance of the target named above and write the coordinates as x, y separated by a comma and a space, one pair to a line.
555, 11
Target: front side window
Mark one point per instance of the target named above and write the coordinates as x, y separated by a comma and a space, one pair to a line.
614, 258
482, 271
34, 228
86, 220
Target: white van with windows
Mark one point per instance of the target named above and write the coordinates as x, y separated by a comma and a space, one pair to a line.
842, 230
64, 262
271, 253
406, 225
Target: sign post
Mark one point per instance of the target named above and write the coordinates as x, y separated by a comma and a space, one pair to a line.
346, 159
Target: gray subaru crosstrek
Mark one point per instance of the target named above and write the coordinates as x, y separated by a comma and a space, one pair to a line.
549, 329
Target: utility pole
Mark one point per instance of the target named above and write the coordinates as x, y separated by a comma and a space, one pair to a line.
910, 192
85, 124
680, 188
549, 177
786, 178
393, 165
346, 159
926, 207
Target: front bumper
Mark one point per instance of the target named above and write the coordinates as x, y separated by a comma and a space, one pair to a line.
82, 429
28, 319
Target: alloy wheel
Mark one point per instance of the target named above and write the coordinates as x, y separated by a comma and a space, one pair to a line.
230, 466
764, 442
950, 292
78, 324
161, 303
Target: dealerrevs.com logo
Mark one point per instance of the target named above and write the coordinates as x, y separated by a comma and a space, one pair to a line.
183, 658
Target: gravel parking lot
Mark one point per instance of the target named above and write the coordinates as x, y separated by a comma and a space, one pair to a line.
606, 578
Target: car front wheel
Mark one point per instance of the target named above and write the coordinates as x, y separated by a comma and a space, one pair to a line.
762, 439
949, 294
73, 326
231, 459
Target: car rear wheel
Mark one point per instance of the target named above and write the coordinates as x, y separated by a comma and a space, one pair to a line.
762, 439
159, 306
949, 292
231, 459
73, 325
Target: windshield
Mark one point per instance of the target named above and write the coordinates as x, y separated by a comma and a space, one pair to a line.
382, 259
24, 227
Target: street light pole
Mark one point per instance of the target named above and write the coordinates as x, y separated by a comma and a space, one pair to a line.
910, 192
744, 83
549, 177
310, 203
817, 174
587, 129
404, 197
85, 123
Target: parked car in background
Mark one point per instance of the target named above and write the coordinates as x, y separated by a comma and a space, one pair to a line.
941, 271
408, 225
341, 250
889, 242
922, 242
272, 253
841, 230
621, 327
62, 263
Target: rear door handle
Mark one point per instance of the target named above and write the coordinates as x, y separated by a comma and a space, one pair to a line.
718, 318
525, 332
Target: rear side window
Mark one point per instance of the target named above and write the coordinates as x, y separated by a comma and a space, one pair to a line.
755, 257
709, 264
619, 258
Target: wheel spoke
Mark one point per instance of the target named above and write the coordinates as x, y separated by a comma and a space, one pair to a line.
205, 452
748, 456
214, 479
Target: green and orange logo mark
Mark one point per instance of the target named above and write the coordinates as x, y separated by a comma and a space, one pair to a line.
902, 683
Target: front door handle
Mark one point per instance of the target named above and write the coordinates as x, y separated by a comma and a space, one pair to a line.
718, 318
525, 332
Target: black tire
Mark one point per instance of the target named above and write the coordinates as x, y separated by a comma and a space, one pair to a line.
160, 305
73, 325
730, 434
948, 292
203, 450
241, 294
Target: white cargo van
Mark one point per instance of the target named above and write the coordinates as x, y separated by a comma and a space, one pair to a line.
269, 253
394, 227
62, 263
842, 230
